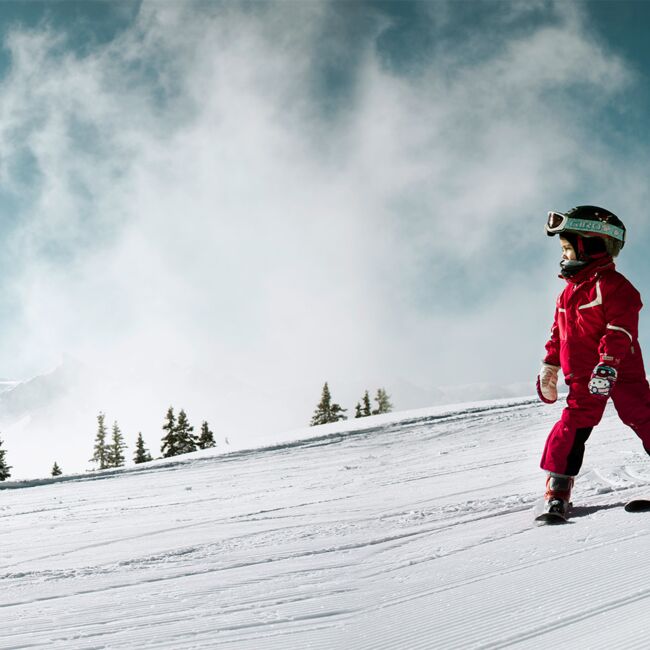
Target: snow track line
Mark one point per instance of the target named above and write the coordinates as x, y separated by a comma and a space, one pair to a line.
481, 618
567, 621
192, 549
267, 560
564, 614
144, 581
447, 554
397, 537
461, 470
243, 518
523, 566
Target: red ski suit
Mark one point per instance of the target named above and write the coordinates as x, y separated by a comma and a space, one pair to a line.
596, 321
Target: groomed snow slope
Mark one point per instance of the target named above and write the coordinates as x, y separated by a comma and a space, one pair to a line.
412, 533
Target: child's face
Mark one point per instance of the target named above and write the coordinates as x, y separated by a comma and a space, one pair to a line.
568, 252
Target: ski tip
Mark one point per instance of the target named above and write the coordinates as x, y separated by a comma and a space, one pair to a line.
638, 505
551, 518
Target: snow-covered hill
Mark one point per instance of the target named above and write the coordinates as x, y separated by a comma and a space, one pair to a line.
53, 416
412, 531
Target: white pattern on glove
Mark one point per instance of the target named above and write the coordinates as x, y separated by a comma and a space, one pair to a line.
602, 380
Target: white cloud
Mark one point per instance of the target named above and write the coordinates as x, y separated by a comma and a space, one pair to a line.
195, 209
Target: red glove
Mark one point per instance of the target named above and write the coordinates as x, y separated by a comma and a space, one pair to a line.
547, 383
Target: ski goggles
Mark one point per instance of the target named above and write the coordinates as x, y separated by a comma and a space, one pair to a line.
558, 222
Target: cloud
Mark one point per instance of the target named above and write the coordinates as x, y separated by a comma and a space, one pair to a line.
193, 212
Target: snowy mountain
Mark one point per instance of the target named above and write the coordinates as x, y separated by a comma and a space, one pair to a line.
21, 399
410, 530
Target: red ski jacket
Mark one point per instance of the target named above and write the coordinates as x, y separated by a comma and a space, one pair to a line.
597, 321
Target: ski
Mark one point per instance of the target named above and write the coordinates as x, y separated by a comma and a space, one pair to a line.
551, 518
553, 514
638, 505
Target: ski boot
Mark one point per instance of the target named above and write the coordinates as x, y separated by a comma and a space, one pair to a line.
557, 499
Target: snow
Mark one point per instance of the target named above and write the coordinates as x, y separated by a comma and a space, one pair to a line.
410, 530
53, 417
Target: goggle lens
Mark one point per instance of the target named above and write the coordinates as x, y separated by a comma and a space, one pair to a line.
555, 220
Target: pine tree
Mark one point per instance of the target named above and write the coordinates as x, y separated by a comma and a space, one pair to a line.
383, 402
56, 470
100, 453
338, 413
367, 410
185, 439
4, 468
142, 454
363, 408
324, 408
326, 411
115, 451
169, 441
206, 439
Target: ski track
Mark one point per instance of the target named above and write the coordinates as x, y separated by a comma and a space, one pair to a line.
413, 534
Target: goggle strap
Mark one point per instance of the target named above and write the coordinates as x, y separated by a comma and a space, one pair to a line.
598, 227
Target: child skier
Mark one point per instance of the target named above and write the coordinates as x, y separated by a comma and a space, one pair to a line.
594, 341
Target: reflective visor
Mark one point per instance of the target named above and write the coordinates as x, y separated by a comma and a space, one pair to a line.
555, 222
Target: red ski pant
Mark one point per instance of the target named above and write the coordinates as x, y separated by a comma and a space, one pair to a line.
565, 445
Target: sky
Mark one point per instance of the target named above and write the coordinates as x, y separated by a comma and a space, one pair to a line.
264, 196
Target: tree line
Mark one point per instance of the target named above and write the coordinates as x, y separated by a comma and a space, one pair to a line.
328, 411
109, 452
179, 439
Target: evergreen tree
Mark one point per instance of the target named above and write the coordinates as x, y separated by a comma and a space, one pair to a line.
322, 412
337, 413
115, 451
142, 454
56, 470
4, 468
185, 439
363, 409
100, 454
383, 402
206, 439
169, 441
367, 410
326, 411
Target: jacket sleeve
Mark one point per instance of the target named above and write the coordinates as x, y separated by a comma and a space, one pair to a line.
552, 357
622, 304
